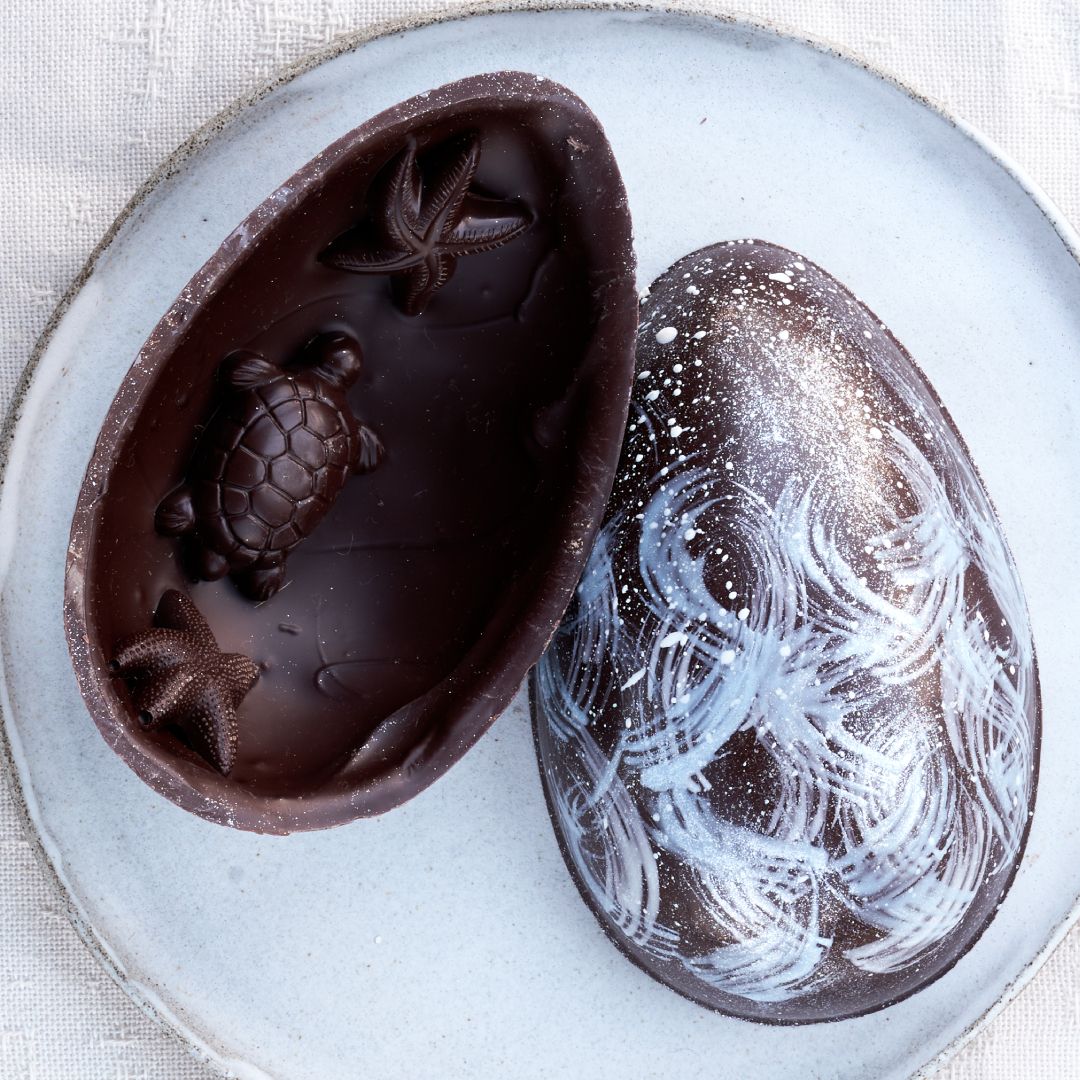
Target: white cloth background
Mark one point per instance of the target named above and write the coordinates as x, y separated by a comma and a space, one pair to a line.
94, 93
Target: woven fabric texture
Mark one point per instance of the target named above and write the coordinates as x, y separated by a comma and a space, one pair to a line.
95, 93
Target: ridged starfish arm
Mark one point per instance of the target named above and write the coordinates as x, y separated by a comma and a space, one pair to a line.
178, 675
418, 231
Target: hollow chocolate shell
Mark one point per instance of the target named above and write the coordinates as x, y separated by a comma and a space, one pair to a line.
371, 442
789, 727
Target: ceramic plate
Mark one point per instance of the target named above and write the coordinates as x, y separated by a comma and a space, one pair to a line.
446, 939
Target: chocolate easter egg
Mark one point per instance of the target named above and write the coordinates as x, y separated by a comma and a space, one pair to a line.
368, 448
789, 727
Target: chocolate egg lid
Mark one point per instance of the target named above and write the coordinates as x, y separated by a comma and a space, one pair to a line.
341, 499
789, 727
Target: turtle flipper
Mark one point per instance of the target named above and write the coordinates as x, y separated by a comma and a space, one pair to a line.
264, 579
243, 370
175, 513
210, 565
369, 450
337, 358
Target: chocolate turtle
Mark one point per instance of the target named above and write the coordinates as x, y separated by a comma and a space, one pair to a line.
270, 463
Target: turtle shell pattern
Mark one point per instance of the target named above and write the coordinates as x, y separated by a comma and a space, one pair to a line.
273, 461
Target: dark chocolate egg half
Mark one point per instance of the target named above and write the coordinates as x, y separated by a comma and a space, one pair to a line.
789, 727
453, 279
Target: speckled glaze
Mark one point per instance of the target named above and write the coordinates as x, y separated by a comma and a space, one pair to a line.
510, 972
789, 727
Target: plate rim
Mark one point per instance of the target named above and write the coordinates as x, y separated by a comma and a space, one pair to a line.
349, 41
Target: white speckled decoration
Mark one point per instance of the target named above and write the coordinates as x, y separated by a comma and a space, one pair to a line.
158, 913
836, 742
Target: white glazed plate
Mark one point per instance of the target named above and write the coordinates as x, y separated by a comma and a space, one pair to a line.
446, 939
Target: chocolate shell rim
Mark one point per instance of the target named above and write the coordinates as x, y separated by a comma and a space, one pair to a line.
606, 384
605, 925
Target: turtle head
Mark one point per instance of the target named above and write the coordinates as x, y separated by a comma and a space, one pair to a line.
336, 358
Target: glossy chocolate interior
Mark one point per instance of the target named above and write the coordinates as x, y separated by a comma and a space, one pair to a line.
410, 615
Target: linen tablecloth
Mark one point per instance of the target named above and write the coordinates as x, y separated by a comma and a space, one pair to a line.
95, 93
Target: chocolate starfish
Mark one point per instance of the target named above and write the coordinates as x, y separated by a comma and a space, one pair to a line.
421, 229
178, 675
